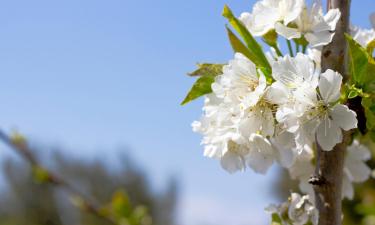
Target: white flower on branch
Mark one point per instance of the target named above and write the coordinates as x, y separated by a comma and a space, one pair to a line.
298, 210
355, 168
316, 28
305, 111
267, 13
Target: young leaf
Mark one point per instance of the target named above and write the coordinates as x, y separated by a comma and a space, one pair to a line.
207, 69
370, 75
201, 87
255, 50
359, 60
353, 94
369, 106
237, 44
370, 47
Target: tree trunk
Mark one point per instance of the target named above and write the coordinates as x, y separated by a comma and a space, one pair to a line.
329, 165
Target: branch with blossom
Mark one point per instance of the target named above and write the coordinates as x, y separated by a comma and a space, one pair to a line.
297, 109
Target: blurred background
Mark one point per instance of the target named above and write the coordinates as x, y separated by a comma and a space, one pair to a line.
96, 88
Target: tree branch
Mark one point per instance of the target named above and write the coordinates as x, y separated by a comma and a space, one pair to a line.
329, 164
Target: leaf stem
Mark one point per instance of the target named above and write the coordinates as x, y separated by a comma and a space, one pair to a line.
297, 47
277, 49
290, 48
304, 47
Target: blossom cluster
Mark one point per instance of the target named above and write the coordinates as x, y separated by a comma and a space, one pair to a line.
252, 119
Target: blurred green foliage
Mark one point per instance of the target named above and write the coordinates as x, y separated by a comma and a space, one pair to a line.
123, 193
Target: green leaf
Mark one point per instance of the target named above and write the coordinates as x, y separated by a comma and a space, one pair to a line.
255, 50
237, 44
276, 218
120, 204
365, 209
369, 106
372, 135
369, 86
41, 175
353, 94
208, 69
201, 87
370, 47
359, 59
270, 38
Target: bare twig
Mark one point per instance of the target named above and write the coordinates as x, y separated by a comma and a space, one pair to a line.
23, 149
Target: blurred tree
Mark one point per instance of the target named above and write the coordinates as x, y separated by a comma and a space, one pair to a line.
26, 201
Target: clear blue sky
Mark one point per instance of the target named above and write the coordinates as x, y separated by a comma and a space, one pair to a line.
97, 75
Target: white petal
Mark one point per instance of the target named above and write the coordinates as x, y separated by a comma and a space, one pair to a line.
286, 149
278, 93
252, 123
358, 171
261, 154
330, 85
328, 134
287, 32
268, 123
355, 166
332, 17
347, 189
232, 162
344, 117
358, 151
319, 38
293, 10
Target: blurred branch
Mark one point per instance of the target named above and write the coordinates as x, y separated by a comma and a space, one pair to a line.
19, 144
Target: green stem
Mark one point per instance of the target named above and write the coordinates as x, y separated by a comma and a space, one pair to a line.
290, 48
304, 47
297, 47
278, 52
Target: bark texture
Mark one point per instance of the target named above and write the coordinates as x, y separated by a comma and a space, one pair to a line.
327, 180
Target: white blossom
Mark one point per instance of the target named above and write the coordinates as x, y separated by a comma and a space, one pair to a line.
316, 28
294, 89
221, 138
238, 118
299, 209
306, 111
355, 168
362, 36
266, 13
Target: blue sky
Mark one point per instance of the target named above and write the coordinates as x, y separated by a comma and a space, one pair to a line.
95, 76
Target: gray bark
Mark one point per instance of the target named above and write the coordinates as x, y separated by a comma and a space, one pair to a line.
329, 164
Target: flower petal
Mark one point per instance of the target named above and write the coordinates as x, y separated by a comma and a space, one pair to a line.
328, 134
318, 39
329, 86
232, 162
347, 188
344, 117
277, 93
287, 32
261, 154
332, 17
